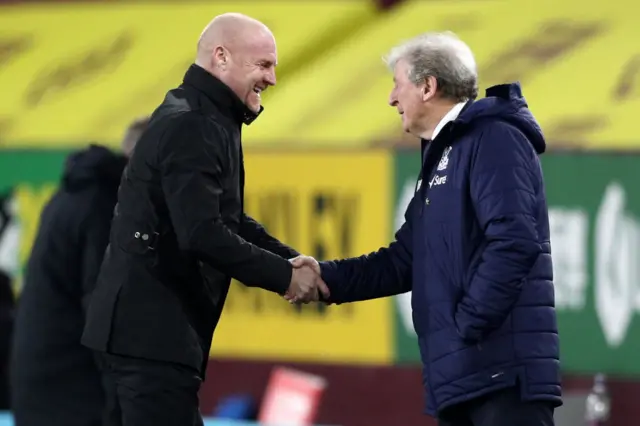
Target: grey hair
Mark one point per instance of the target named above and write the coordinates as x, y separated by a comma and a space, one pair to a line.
443, 56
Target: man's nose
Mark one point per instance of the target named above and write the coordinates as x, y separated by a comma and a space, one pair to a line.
271, 78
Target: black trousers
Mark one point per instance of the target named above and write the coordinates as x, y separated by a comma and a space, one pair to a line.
501, 408
149, 393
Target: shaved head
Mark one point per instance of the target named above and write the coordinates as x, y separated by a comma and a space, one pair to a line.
241, 52
228, 29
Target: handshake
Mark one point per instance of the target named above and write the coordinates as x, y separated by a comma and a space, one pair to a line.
306, 284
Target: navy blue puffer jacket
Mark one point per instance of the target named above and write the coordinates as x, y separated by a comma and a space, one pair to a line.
475, 251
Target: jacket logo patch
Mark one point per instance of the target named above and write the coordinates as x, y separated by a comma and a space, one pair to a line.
444, 160
437, 180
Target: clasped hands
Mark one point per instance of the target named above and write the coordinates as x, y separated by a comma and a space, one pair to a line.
306, 284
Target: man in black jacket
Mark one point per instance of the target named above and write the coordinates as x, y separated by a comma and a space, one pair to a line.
180, 234
7, 313
54, 379
7, 300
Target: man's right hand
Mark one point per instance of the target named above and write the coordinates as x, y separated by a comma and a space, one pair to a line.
306, 286
303, 260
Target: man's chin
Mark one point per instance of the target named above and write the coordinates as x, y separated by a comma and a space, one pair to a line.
254, 107
406, 125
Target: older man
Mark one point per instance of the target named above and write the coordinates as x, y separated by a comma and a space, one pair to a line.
474, 248
180, 234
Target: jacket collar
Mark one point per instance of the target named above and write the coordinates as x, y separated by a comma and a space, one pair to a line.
449, 116
424, 145
221, 94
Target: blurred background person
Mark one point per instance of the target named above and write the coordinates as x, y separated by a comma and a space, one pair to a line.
7, 303
55, 380
7, 308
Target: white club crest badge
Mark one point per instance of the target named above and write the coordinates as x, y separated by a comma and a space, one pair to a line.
444, 160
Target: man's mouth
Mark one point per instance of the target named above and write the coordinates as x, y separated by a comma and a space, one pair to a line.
258, 90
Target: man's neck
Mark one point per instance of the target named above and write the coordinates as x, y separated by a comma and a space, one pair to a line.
440, 117
202, 64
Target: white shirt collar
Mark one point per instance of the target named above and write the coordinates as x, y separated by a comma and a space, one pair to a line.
450, 116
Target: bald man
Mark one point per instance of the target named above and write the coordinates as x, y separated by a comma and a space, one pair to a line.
180, 234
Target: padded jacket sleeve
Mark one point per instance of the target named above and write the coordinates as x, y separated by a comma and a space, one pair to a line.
383, 273
505, 180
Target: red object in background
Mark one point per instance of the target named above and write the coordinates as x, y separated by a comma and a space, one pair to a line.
356, 396
379, 395
291, 398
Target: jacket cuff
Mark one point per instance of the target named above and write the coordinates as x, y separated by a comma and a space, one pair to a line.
330, 277
278, 275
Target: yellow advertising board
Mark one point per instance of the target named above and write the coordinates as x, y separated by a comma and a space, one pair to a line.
329, 205
577, 60
72, 73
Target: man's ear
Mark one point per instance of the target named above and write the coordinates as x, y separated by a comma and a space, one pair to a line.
220, 55
429, 88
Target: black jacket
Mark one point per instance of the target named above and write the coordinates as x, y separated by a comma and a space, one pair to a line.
7, 312
54, 379
179, 232
7, 305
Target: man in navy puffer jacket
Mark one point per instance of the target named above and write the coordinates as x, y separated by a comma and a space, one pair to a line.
474, 249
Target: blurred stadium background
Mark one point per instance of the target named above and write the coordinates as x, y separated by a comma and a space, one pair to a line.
330, 171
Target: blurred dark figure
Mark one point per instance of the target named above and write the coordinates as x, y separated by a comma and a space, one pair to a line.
6, 328
7, 304
54, 380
